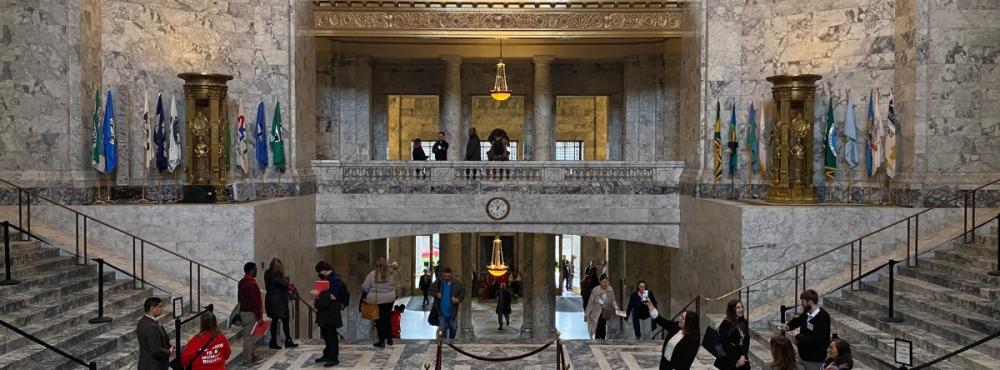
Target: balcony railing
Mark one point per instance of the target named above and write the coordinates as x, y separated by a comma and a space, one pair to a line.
526, 172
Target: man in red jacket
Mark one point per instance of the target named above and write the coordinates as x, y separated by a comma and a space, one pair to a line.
251, 309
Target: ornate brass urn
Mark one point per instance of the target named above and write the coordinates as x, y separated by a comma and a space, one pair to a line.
204, 103
791, 140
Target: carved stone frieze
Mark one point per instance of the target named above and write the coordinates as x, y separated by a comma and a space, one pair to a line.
510, 21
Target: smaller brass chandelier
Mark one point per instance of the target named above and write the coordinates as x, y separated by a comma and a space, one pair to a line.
497, 267
500, 90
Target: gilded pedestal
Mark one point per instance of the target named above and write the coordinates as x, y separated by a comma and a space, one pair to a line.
791, 141
205, 101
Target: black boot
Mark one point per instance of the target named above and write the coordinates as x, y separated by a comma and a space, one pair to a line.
290, 344
274, 344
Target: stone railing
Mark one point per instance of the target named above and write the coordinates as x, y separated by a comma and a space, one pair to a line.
525, 172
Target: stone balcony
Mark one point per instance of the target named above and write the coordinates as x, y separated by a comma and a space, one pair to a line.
368, 200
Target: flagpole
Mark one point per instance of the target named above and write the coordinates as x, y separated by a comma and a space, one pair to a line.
109, 187
159, 189
280, 190
177, 188
98, 199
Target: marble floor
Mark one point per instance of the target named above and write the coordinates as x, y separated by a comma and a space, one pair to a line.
412, 354
569, 319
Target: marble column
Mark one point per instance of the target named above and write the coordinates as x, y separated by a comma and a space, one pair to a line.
525, 267
545, 124
352, 262
617, 255
451, 106
543, 286
650, 263
402, 251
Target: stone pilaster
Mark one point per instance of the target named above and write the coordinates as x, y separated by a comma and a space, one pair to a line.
451, 106
544, 133
543, 286
526, 267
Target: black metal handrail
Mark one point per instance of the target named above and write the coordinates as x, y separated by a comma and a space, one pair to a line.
89, 365
955, 352
24, 201
179, 323
912, 222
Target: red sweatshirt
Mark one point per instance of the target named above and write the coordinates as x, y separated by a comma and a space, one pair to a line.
212, 358
249, 297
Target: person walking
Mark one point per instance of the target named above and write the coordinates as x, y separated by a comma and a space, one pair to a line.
379, 288
587, 286
418, 151
838, 356
814, 331
425, 285
329, 303
680, 346
154, 344
448, 295
251, 309
637, 310
569, 275
734, 333
472, 148
440, 148
503, 305
601, 308
207, 350
276, 302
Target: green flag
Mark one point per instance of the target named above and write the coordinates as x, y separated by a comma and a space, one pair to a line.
752, 139
830, 144
277, 141
97, 141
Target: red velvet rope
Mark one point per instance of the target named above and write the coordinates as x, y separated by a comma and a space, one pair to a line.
501, 359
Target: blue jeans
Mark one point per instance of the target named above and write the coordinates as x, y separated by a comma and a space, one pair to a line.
448, 326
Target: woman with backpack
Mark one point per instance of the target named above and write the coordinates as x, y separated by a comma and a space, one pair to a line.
207, 350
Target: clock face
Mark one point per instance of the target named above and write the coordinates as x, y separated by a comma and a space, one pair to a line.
497, 208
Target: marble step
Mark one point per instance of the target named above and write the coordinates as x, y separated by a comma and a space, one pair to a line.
62, 300
61, 271
873, 346
957, 326
25, 256
965, 259
43, 267
978, 250
975, 288
959, 271
881, 334
954, 298
73, 327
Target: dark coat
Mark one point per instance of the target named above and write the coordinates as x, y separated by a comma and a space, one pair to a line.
735, 346
418, 153
276, 297
327, 309
457, 292
503, 302
685, 351
154, 345
635, 305
812, 342
473, 149
440, 150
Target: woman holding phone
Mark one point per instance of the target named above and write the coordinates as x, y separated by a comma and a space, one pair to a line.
637, 310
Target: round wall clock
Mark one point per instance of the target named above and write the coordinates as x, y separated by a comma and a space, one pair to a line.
497, 208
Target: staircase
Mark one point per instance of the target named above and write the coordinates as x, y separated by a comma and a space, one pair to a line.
55, 300
947, 302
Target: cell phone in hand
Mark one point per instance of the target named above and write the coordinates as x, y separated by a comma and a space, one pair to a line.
645, 295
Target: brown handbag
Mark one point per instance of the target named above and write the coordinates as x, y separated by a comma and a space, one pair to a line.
369, 311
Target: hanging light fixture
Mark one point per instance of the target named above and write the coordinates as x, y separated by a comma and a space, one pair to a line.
497, 267
500, 91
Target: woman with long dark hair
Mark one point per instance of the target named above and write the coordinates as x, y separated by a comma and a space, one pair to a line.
783, 354
838, 356
276, 299
636, 309
734, 332
683, 339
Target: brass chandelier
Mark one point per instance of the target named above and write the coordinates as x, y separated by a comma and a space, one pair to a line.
500, 91
497, 267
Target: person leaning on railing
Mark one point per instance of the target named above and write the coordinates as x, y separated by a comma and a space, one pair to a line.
207, 350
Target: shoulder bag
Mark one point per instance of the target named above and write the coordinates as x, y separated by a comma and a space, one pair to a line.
369, 311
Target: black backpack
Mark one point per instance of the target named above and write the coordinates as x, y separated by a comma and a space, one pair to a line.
343, 296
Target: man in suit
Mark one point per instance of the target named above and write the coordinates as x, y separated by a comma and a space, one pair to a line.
154, 344
440, 148
472, 148
814, 331
425, 285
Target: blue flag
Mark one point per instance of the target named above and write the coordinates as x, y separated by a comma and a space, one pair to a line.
160, 137
261, 138
110, 142
851, 137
